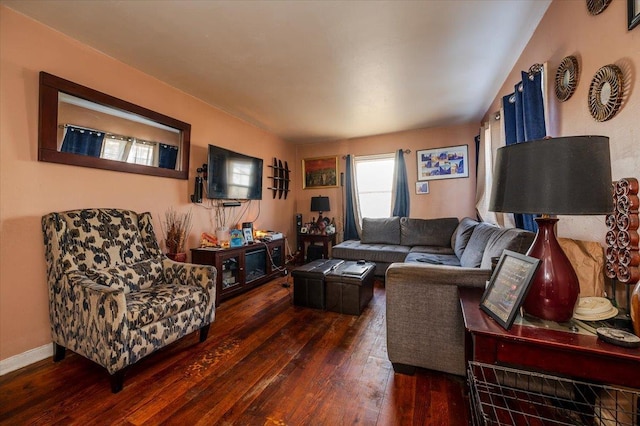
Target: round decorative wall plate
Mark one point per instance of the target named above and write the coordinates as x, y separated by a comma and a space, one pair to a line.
567, 78
605, 93
595, 7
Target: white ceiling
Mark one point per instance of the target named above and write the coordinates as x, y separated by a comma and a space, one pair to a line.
314, 70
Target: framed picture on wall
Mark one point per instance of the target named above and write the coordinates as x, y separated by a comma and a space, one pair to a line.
443, 163
633, 12
422, 188
320, 172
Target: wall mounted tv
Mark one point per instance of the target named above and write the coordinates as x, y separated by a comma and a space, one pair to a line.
233, 176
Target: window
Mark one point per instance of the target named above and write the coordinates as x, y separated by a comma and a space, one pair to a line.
374, 184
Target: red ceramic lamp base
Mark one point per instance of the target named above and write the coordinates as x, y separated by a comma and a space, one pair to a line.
555, 288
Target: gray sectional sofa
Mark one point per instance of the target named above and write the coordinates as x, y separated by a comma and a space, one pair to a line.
425, 261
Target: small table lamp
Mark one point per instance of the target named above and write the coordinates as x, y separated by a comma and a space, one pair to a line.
556, 176
320, 204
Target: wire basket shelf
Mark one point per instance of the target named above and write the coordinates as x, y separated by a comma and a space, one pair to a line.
507, 396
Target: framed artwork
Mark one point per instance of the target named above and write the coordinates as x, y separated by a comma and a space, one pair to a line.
633, 12
508, 287
422, 188
320, 172
443, 163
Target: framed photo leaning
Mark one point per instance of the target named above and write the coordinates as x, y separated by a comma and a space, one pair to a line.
508, 287
443, 163
320, 172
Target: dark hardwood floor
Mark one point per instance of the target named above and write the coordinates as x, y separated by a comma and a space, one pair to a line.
266, 362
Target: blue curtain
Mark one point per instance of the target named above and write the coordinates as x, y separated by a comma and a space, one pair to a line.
82, 141
167, 156
402, 203
524, 121
350, 228
477, 142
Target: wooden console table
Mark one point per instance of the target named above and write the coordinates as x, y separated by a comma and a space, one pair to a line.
317, 238
579, 356
240, 269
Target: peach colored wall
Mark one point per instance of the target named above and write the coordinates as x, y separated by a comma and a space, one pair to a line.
30, 189
447, 197
568, 29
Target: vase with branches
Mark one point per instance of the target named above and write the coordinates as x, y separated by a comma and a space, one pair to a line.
176, 228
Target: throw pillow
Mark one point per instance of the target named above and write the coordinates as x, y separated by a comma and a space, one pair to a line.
460, 237
472, 256
381, 230
513, 239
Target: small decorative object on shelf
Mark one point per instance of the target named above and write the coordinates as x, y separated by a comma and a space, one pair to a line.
176, 228
280, 178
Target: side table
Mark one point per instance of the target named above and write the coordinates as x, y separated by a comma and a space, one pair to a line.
325, 239
557, 352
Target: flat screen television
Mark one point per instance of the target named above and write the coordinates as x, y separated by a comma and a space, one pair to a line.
233, 176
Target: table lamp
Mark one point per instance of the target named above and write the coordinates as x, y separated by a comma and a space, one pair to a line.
555, 176
320, 204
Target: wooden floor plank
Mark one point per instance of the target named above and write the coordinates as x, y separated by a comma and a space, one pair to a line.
266, 362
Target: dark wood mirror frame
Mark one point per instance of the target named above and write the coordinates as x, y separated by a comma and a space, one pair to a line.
50, 86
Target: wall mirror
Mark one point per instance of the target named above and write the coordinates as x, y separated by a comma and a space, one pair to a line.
83, 127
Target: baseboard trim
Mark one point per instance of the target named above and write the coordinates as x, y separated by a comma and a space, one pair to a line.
25, 358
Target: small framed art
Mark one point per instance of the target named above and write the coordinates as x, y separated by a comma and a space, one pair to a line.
633, 13
508, 287
422, 188
443, 163
320, 172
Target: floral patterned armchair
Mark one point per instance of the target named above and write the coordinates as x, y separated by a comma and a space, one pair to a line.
114, 298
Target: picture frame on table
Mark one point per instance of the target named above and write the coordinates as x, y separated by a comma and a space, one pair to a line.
633, 13
508, 287
422, 188
320, 172
443, 163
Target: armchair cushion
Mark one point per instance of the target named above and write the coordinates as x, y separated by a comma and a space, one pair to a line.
138, 276
162, 301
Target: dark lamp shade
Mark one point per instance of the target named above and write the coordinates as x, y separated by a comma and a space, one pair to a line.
320, 204
566, 175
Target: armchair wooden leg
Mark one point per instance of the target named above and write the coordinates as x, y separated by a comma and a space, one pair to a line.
117, 381
58, 352
409, 370
204, 332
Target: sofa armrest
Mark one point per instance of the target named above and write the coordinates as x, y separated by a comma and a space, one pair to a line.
101, 327
424, 318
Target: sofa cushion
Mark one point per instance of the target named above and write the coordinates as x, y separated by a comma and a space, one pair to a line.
472, 255
381, 230
432, 249
140, 275
513, 239
356, 250
162, 301
460, 238
427, 232
433, 259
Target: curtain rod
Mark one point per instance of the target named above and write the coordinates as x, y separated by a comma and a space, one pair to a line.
405, 151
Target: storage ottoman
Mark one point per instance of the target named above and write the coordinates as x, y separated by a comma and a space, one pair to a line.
308, 282
350, 287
